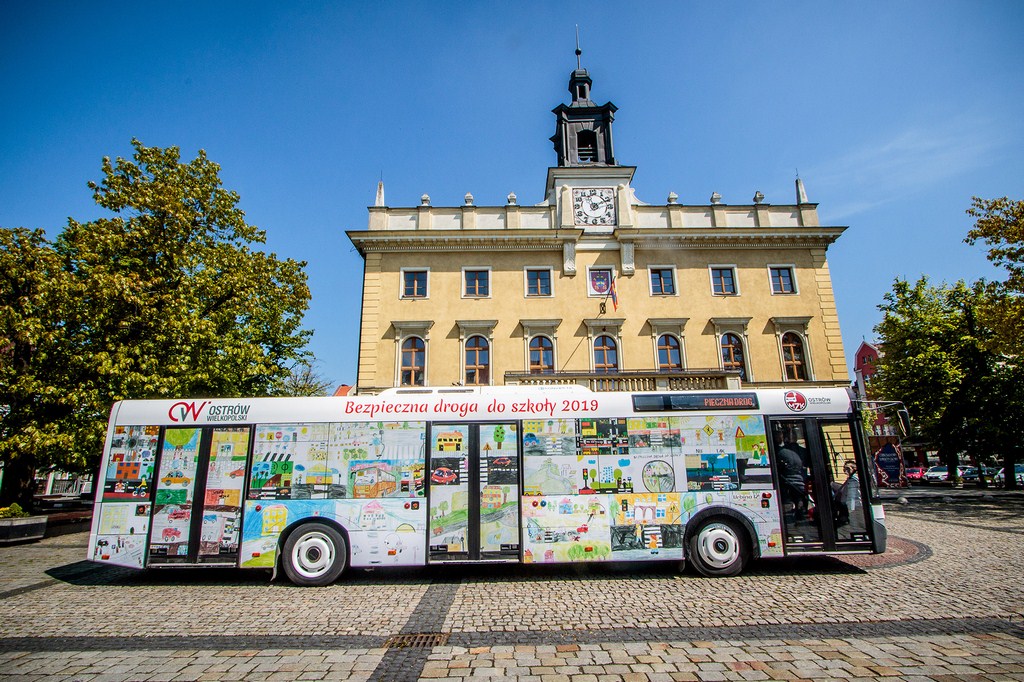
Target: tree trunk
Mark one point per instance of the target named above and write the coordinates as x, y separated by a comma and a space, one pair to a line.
19, 483
1009, 472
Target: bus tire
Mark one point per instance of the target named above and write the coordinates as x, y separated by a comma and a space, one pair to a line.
314, 554
718, 547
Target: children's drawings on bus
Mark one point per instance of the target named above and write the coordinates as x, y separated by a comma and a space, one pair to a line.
550, 475
122, 550
129, 472
172, 525
647, 526
761, 507
381, 532
338, 461
121, 533
566, 528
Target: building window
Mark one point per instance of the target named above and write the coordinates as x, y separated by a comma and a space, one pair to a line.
793, 357
606, 357
723, 281
586, 145
732, 355
478, 362
542, 355
414, 284
414, 353
669, 356
662, 282
782, 280
538, 282
477, 283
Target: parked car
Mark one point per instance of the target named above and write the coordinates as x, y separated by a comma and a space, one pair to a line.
914, 474
937, 474
970, 474
1000, 477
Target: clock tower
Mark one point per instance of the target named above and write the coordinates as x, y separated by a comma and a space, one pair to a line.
590, 188
583, 132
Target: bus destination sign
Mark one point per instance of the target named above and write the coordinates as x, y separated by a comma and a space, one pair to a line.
685, 402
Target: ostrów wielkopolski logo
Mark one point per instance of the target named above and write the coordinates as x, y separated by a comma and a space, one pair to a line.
186, 410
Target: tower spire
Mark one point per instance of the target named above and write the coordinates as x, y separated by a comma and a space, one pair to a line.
579, 52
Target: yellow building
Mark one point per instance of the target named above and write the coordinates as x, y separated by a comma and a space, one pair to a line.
596, 287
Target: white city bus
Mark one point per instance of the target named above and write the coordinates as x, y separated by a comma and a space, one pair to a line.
538, 475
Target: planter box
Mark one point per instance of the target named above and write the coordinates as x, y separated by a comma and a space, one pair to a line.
19, 530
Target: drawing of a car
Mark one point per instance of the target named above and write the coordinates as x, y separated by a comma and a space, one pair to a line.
442, 475
173, 477
501, 462
170, 534
236, 473
583, 529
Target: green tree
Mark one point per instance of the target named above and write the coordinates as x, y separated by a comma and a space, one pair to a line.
939, 361
39, 389
999, 223
168, 296
304, 380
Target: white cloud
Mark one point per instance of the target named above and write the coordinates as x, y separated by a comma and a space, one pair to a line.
906, 163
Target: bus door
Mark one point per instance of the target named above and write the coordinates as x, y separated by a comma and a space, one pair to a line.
820, 485
473, 492
198, 505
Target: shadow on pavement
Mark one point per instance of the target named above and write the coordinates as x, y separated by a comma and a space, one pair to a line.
1000, 513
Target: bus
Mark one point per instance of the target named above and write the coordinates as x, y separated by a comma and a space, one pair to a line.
517, 474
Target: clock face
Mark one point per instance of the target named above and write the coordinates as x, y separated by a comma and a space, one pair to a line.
593, 206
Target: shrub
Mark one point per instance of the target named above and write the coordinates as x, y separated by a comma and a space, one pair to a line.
13, 512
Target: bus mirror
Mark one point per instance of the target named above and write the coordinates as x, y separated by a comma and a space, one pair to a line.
904, 418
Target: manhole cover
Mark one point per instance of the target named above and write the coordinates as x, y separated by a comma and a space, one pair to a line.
421, 640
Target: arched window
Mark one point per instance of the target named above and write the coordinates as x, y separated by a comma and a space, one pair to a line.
542, 355
606, 357
793, 361
478, 362
732, 355
669, 356
414, 353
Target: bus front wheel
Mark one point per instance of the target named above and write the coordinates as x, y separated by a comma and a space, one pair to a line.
718, 547
314, 554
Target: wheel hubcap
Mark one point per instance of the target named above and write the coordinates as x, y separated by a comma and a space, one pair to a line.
718, 546
313, 555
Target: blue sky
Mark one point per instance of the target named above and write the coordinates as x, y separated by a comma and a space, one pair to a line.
895, 114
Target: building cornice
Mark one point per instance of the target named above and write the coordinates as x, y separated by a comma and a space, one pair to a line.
431, 241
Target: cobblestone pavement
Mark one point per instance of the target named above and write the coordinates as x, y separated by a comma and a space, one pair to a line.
945, 603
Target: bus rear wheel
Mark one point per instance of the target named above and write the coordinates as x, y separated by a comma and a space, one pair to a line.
314, 554
718, 547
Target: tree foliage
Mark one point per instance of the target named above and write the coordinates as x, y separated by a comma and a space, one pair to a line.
170, 295
39, 378
999, 223
304, 380
953, 352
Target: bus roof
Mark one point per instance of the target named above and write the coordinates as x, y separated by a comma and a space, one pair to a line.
498, 403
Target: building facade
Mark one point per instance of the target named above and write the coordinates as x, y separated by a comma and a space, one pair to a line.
594, 286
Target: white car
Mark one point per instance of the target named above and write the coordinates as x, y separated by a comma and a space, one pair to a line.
937, 474
1018, 470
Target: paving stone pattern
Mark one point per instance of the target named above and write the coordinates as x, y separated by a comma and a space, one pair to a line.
946, 603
